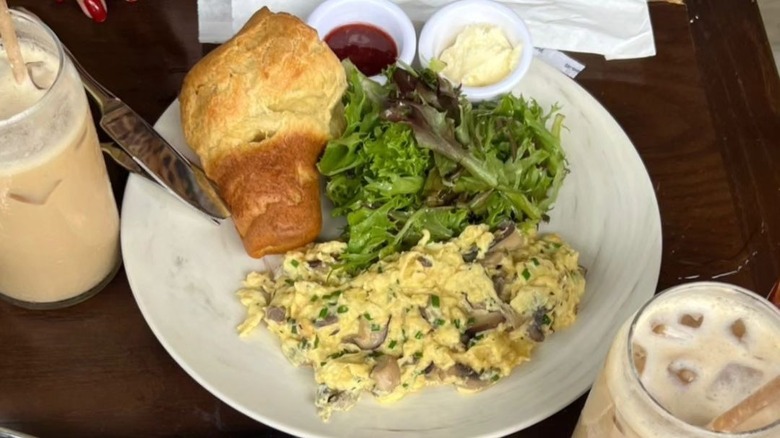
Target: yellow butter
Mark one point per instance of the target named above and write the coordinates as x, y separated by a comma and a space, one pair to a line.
481, 55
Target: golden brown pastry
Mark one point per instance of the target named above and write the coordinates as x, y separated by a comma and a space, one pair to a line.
258, 110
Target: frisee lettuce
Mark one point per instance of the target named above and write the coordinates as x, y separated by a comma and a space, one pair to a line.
416, 155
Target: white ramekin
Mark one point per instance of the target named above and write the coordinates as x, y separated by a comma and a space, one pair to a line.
383, 14
444, 26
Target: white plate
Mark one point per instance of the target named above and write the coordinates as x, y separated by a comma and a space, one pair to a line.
184, 270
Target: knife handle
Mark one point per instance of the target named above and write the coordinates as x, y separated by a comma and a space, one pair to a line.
102, 96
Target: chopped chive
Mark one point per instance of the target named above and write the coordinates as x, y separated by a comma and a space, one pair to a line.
405, 385
294, 329
323, 312
334, 294
526, 274
418, 335
535, 261
391, 344
403, 333
495, 378
546, 320
342, 309
435, 301
475, 339
289, 281
316, 341
294, 263
313, 298
367, 316
456, 323
418, 355
439, 321
470, 321
375, 327
303, 344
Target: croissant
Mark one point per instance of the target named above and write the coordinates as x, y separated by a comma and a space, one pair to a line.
258, 111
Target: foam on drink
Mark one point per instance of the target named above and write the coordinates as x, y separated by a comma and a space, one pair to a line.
692, 354
699, 372
19, 97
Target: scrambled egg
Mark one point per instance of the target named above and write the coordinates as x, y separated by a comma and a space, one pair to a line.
463, 312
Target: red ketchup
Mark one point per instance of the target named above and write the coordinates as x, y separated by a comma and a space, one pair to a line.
371, 49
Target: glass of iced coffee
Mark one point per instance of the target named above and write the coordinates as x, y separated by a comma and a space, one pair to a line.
59, 224
687, 358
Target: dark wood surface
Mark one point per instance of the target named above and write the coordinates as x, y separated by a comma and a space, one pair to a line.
703, 114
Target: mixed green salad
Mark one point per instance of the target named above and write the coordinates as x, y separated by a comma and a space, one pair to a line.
417, 155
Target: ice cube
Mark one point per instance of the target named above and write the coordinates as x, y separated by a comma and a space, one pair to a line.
692, 320
640, 357
670, 332
738, 329
682, 372
734, 383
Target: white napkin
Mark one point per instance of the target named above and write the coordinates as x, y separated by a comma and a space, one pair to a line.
617, 29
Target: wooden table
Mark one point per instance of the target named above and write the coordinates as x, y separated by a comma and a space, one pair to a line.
703, 114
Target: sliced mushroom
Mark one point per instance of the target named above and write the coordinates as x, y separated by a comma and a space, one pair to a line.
470, 304
466, 377
535, 333
333, 399
275, 314
484, 321
314, 264
474, 384
470, 255
506, 239
503, 230
328, 320
386, 374
430, 315
536, 328
499, 284
424, 262
368, 339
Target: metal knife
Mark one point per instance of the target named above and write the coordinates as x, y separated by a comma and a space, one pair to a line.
151, 152
140, 149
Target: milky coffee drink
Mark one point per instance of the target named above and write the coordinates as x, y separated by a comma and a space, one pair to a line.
59, 225
688, 356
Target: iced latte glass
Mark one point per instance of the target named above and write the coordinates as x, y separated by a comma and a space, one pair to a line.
689, 355
59, 225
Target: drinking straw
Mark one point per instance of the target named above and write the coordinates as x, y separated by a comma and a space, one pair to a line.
8, 34
742, 411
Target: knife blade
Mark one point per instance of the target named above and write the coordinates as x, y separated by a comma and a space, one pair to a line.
160, 160
153, 154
